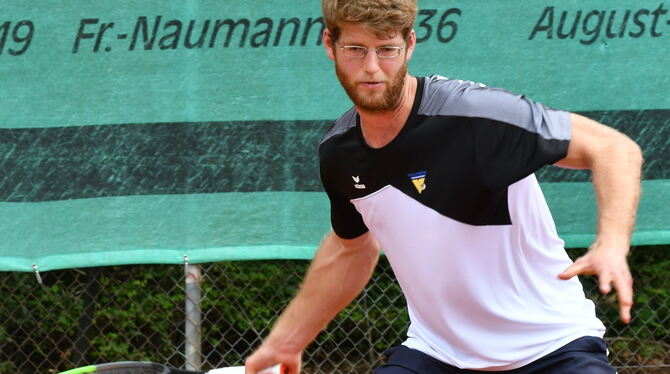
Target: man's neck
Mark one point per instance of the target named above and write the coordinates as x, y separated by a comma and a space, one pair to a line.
380, 128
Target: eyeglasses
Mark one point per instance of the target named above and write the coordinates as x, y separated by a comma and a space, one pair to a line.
360, 52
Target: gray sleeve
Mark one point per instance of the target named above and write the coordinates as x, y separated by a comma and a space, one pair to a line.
449, 97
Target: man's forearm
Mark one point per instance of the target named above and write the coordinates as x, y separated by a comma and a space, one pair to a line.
615, 162
616, 179
336, 276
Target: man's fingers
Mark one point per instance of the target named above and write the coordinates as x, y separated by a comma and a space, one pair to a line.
254, 364
249, 368
624, 311
624, 288
293, 368
607, 275
262, 360
605, 283
577, 268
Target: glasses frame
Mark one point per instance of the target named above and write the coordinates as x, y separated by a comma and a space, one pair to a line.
345, 48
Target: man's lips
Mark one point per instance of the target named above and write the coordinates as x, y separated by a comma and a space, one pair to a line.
371, 84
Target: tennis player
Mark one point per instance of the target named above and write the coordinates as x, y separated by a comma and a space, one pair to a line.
439, 173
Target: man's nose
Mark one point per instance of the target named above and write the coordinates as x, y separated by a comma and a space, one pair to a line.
371, 61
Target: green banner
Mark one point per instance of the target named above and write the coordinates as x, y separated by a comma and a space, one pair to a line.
81, 62
141, 132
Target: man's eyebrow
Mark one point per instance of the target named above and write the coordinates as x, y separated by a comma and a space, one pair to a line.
352, 44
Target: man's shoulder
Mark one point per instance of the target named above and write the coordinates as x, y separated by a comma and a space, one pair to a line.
446, 96
462, 98
346, 122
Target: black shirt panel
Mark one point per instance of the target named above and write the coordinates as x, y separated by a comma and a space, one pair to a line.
459, 165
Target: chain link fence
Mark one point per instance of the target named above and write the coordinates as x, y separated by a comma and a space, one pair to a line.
84, 316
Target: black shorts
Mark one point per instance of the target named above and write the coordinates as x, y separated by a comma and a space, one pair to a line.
586, 355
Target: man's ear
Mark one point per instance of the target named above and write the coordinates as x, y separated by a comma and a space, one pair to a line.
411, 43
328, 44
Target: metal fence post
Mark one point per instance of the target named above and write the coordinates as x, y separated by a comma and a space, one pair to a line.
192, 325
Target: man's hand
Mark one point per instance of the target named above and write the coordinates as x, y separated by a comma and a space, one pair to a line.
609, 264
267, 356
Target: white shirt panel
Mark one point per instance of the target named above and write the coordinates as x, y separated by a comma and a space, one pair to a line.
481, 297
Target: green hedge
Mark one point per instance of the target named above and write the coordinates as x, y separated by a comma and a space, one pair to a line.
137, 314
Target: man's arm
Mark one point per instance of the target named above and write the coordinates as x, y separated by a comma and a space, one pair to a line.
337, 274
615, 162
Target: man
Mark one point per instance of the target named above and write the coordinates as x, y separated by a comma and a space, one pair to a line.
439, 174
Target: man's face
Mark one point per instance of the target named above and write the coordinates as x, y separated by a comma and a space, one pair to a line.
372, 83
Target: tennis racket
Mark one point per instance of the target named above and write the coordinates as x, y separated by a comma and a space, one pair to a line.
140, 367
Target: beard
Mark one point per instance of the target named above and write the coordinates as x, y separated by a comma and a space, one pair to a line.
376, 101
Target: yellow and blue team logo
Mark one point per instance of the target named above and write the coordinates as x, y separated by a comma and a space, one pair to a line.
419, 180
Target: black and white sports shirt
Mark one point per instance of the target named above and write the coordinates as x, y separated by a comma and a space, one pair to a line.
455, 206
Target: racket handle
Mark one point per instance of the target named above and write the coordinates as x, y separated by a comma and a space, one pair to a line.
277, 369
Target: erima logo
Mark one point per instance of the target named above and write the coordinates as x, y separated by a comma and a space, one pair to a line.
419, 180
357, 184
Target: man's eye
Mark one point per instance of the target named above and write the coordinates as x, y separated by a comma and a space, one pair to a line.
388, 52
357, 49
